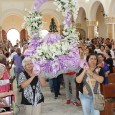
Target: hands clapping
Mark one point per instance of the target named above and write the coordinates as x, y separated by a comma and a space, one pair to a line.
33, 74
87, 70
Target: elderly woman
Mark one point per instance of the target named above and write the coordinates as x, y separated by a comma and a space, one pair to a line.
32, 96
96, 76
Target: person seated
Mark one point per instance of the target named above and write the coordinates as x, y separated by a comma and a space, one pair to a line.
4, 83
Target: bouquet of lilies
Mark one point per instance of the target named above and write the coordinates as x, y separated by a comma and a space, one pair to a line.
66, 6
33, 22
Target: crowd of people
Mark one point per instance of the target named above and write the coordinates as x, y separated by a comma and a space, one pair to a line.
98, 53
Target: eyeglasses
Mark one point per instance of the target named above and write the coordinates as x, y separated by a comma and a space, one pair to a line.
29, 64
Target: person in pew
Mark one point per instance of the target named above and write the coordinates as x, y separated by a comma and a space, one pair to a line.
101, 63
4, 77
30, 83
96, 75
109, 60
5, 87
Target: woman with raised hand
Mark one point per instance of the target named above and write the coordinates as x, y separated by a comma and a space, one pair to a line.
30, 83
96, 76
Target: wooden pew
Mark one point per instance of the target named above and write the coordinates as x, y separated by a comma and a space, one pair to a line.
111, 78
113, 69
109, 94
7, 102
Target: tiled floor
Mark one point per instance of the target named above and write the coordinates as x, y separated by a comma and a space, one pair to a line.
51, 106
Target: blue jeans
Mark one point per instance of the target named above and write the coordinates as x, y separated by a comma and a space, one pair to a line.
17, 76
87, 105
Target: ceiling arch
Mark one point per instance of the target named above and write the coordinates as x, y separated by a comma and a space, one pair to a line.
81, 14
49, 8
93, 10
8, 13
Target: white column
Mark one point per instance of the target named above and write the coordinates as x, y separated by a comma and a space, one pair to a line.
113, 36
110, 21
1, 40
91, 25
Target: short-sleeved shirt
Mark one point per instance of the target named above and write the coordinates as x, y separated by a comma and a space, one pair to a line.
84, 85
18, 63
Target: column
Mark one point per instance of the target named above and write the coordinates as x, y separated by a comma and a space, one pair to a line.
91, 25
109, 31
61, 29
78, 25
113, 28
110, 22
1, 40
27, 38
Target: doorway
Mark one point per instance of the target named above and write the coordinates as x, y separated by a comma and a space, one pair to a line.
13, 36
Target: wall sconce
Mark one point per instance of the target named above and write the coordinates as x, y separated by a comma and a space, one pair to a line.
104, 15
85, 18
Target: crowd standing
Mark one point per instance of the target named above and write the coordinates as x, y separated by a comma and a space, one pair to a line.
99, 53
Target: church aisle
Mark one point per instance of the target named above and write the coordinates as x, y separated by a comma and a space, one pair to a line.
51, 106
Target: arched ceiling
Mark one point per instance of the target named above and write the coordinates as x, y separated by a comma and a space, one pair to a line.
49, 8
93, 10
81, 14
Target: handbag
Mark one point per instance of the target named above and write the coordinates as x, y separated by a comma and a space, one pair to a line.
98, 99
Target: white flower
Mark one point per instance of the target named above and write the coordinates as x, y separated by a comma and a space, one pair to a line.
33, 22
68, 6
52, 51
70, 35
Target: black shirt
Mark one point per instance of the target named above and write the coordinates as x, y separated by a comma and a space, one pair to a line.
109, 61
33, 85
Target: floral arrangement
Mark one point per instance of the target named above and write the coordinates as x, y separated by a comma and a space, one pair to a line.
51, 51
68, 6
33, 22
71, 36
55, 54
69, 10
